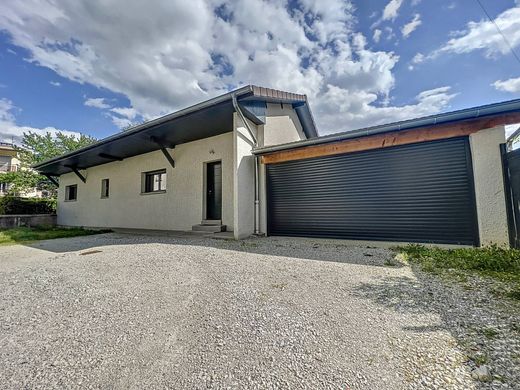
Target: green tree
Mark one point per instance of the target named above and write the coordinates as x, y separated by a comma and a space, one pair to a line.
36, 148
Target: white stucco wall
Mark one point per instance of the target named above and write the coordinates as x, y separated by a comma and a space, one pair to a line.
244, 179
180, 207
263, 197
281, 126
489, 185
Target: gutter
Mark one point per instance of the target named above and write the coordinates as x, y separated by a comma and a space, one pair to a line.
455, 116
304, 114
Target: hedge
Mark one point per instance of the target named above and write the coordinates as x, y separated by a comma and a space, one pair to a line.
10, 205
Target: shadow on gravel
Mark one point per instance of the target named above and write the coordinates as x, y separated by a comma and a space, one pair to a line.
465, 314
305, 249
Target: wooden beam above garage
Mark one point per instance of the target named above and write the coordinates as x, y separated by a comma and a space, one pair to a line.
396, 138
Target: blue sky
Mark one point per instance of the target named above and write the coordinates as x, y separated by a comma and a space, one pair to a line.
99, 66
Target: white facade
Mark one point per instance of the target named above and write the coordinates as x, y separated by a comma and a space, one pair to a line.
182, 205
489, 185
178, 208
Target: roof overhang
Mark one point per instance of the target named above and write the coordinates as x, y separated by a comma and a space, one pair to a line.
209, 118
445, 125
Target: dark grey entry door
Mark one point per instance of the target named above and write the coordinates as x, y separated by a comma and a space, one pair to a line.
214, 190
422, 192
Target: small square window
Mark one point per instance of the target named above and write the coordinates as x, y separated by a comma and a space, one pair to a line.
71, 192
154, 181
105, 188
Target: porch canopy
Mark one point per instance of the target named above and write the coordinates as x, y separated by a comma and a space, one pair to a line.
210, 118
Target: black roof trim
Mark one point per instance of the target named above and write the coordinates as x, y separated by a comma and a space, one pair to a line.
432, 120
56, 166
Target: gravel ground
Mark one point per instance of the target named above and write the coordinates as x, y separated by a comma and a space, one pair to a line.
127, 311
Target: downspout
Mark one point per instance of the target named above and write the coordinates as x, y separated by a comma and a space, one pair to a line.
255, 143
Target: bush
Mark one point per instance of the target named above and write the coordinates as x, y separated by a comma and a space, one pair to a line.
10, 205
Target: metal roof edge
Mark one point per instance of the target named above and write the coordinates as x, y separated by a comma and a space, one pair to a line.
256, 91
150, 124
453, 116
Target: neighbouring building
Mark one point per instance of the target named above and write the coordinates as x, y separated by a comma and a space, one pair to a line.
9, 162
251, 161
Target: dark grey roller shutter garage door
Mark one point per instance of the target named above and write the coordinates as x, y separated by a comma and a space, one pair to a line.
420, 193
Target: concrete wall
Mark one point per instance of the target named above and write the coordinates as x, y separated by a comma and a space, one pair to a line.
244, 174
489, 185
281, 126
12, 221
180, 207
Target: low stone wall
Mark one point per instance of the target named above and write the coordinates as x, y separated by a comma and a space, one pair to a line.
12, 221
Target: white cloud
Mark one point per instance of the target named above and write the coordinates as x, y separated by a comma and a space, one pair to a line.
484, 36
392, 9
11, 132
96, 103
121, 116
510, 85
410, 27
185, 52
389, 32
125, 116
358, 111
121, 122
55, 83
418, 58
126, 112
377, 35
450, 6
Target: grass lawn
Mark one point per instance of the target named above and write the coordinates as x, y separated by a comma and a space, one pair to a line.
25, 234
502, 265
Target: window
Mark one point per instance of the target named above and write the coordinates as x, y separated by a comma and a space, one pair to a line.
154, 181
71, 192
105, 189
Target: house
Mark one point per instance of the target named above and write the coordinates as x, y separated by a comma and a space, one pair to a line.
251, 161
9, 162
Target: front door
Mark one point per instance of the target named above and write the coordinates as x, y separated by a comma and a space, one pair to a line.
214, 190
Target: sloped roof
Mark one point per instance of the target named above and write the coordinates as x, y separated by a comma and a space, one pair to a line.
206, 119
509, 111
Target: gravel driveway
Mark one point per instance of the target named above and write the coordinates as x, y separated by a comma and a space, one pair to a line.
127, 311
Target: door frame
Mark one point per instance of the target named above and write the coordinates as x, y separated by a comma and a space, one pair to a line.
205, 187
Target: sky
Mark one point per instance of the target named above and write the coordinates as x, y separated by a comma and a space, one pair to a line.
99, 66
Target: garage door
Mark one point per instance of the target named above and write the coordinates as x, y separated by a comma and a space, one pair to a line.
419, 193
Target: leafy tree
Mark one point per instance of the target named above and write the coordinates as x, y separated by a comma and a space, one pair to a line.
35, 149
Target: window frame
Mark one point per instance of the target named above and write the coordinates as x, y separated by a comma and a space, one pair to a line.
144, 181
105, 188
67, 193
